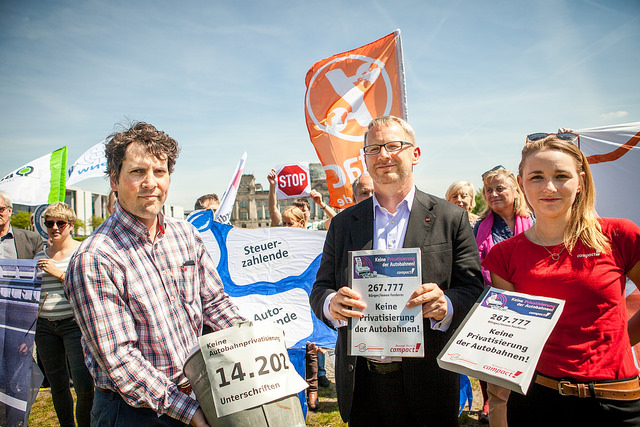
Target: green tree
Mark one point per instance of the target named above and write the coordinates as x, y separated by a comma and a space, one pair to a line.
96, 221
21, 220
79, 225
481, 204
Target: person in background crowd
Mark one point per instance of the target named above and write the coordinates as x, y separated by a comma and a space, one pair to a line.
362, 188
462, 193
302, 204
141, 287
399, 391
111, 201
15, 243
57, 333
208, 201
586, 375
293, 217
506, 215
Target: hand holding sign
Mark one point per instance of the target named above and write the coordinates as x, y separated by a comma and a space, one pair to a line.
293, 180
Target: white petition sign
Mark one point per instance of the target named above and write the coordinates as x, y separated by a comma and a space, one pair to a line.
248, 366
501, 338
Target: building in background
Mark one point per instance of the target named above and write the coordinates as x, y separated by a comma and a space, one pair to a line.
251, 208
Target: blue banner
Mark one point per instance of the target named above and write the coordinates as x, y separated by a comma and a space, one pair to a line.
269, 273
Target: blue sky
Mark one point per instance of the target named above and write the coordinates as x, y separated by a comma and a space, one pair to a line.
228, 77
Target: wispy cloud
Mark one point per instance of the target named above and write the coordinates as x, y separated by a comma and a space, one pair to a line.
614, 115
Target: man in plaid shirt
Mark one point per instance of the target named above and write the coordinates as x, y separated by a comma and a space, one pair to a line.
141, 287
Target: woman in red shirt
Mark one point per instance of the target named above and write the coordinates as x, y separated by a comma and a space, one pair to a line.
586, 373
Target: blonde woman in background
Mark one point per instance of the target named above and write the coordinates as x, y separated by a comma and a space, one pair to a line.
57, 333
293, 217
506, 215
463, 194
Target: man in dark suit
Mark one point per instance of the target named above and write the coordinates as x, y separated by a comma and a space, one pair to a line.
15, 242
385, 391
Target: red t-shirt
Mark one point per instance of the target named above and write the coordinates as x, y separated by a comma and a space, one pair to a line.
590, 341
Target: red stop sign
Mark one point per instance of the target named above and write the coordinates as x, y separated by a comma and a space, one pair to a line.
293, 180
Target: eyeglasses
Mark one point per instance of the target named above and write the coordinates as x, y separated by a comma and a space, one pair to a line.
4, 208
391, 147
61, 224
491, 170
567, 136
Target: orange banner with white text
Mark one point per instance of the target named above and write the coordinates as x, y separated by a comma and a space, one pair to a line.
344, 93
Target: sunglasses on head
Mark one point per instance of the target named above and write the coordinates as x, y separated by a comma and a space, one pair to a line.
60, 224
491, 170
567, 136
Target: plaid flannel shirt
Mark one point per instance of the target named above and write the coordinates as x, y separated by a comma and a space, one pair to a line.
141, 305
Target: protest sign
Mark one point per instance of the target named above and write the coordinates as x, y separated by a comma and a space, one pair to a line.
385, 280
293, 180
269, 273
344, 93
20, 377
248, 366
501, 338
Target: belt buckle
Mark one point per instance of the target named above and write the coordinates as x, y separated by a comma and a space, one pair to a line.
560, 384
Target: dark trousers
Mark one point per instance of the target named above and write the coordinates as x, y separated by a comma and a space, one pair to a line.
543, 406
379, 400
60, 351
311, 368
110, 410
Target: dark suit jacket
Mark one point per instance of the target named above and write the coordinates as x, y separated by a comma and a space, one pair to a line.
28, 243
449, 258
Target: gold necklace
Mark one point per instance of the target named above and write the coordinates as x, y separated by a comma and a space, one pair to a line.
554, 256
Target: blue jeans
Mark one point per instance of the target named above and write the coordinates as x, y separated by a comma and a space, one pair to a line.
321, 371
110, 410
60, 351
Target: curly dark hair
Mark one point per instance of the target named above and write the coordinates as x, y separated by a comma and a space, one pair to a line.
154, 141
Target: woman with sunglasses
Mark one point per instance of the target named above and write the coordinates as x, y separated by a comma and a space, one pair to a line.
57, 333
506, 215
586, 374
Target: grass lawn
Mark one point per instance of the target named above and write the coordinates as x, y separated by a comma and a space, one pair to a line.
43, 414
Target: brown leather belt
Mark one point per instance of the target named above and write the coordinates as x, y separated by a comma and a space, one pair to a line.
615, 390
383, 368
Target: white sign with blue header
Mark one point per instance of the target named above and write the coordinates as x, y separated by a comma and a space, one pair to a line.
501, 338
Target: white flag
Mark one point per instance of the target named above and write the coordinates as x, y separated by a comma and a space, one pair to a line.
223, 214
613, 153
92, 164
40, 181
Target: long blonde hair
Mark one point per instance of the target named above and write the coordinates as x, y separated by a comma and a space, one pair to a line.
583, 223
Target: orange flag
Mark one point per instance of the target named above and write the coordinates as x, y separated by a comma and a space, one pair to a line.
344, 93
